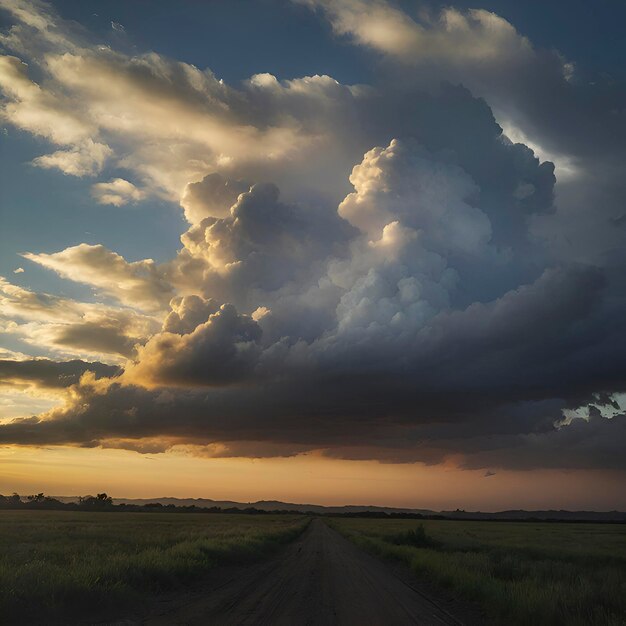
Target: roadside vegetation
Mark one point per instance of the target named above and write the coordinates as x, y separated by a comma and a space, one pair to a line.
64, 564
521, 573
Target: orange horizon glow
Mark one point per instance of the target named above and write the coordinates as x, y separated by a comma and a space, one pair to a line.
304, 479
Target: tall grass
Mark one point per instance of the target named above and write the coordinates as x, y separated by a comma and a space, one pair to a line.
523, 574
61, 564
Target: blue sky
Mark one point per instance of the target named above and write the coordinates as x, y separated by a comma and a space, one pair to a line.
289, 41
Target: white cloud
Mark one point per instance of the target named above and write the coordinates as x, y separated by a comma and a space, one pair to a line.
211, 197
412, 210
475, 35
117, 192
31, 108
86, 159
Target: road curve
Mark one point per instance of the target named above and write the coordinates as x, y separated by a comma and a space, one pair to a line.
320, 579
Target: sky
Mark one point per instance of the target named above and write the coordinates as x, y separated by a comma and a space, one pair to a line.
326, 251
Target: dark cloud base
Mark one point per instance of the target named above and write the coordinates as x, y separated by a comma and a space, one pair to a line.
52, 374
488, 383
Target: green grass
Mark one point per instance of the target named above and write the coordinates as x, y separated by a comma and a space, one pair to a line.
66, 564
522, 573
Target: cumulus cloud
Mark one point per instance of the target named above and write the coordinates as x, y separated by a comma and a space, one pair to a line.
117, 192
211, 197
86, 159
261, 250
371, 271
187, 313
221, 350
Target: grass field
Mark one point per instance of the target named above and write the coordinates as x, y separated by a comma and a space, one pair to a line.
521, 573
58, 564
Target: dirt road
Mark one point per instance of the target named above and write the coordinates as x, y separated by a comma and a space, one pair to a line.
320, 579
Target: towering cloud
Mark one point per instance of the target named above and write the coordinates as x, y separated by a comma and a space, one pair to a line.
370, 271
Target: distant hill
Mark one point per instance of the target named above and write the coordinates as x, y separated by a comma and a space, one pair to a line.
269, 505
583, 516
275, 505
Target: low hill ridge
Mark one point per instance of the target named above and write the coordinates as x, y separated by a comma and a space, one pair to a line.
277, 505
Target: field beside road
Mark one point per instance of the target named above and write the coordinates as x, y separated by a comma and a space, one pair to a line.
62, 564
521, 573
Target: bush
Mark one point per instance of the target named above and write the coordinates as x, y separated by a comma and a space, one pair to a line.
416, 537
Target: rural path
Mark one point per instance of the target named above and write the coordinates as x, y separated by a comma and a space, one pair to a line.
319, 579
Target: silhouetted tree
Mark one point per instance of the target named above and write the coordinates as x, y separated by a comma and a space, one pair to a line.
100, 501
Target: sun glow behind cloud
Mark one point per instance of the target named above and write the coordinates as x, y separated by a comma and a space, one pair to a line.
565, 166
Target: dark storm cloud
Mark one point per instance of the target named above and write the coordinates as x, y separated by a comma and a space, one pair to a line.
363, 431
486, 396
52, 374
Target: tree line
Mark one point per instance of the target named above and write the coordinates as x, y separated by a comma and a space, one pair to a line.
103, 502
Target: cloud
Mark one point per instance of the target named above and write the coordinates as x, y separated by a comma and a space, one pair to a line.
371, 271
86, 159
475, 35
53, 117
30, 386
30, 107
137, 284
568, 115
52, 374
221, 350
211, 197
180, 130
230, 380
130, 415
67, 327
17, 302
187, 313
116, 192
264, 253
